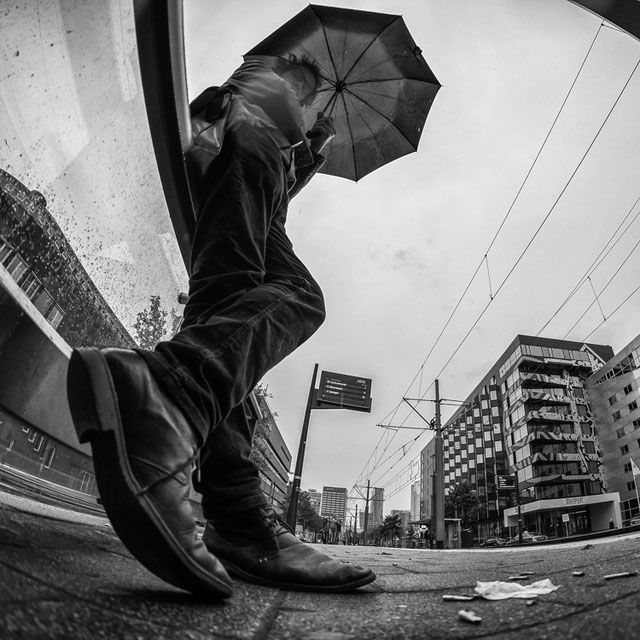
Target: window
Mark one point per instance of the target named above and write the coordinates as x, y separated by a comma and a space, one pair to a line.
628, 389
627, 467
624, 449
633, 406
631, 486
636, 423
55, 316
49, 455
616, 415
620, 432
612, 400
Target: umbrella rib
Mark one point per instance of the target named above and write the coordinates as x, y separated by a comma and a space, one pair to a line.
346, 75
352, 83
326, 41
353, 145
380, 113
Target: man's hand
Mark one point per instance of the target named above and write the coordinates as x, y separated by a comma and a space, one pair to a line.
321, 134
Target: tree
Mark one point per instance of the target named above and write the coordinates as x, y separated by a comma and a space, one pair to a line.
462, 502
391, 527
150, 324
305, 513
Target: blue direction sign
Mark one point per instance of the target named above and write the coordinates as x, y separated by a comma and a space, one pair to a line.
341, 390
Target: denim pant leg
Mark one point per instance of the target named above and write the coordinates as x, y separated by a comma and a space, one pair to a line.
239, 323
228, 479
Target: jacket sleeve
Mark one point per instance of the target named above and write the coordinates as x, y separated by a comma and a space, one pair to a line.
305, 173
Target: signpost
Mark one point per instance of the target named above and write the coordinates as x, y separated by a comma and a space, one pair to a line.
336, 391
506, 483
344, 391
510, 483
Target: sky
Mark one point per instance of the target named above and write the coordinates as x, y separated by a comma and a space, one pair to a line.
395, 251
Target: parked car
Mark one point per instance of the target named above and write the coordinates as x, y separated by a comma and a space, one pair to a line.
493, 542
532, 536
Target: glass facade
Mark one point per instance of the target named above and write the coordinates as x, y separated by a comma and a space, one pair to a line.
530, 417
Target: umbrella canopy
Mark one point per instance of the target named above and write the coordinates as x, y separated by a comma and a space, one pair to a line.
375, 83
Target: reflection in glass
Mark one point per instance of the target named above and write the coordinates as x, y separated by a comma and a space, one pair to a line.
77, 159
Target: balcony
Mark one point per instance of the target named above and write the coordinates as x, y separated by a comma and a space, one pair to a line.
549, 416
530, 395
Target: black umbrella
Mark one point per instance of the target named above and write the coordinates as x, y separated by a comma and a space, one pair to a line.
375, 83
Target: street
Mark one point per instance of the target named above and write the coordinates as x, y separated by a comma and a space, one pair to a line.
66, 575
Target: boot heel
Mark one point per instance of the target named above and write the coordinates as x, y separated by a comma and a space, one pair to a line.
86, 376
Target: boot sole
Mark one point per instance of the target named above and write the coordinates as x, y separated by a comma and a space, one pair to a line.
96, 418
237, 572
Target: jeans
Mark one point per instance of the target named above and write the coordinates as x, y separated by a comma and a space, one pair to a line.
251, 303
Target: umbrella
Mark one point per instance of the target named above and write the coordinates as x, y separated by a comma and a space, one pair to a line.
375, 83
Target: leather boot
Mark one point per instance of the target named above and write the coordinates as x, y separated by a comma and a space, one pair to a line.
143, 452
259, 547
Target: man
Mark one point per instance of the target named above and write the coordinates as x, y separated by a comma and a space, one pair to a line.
152, 416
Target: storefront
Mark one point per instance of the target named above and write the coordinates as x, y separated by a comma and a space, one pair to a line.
562, 517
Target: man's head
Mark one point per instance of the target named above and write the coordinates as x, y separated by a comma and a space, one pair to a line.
302, 75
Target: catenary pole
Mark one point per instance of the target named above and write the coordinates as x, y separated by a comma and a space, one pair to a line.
297, 474
366, 512
439, 488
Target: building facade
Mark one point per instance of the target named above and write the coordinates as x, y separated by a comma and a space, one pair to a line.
269, 451
315, 499
530, 417
37, 255
334, 503
415, 501
376, 507
427, 474
614, 393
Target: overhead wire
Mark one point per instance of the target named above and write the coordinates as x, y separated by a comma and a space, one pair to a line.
573, 326
393, 413
420, 372
544, 220
596, 263
613, 312
509, 210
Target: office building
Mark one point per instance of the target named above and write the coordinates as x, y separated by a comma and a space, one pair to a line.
427, 475
269, 450
315, 499
334, 503
39, 258
376, 507
415, 501
614, 393
529, 417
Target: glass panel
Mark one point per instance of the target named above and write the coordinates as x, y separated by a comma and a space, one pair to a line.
80, 174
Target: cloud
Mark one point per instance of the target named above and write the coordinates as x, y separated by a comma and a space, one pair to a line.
397, 259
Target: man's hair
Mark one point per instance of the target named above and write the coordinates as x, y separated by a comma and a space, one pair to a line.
293, 61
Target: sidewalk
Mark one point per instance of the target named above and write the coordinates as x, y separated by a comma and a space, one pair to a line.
65, 575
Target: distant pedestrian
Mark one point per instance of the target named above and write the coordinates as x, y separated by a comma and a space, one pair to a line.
611, 524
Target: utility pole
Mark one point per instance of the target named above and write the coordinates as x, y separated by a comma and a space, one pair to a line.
439, 479
366, 512
356, 527
519, 508
297, 475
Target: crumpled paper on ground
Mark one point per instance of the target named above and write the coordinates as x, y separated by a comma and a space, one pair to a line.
497, 590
